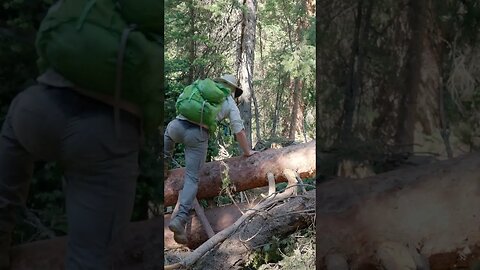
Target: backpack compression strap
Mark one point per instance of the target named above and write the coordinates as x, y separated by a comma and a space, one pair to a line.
118, 84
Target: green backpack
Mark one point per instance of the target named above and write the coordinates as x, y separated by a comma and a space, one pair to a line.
201, 101
144, 13
92, 43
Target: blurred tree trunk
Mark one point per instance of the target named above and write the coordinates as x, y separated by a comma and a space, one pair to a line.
404, 137
419, 106
246, 58
354, 83
445, 69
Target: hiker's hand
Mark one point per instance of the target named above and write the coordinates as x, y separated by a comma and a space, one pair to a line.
249, 153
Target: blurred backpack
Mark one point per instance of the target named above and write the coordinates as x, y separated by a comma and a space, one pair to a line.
201, 101
111, 47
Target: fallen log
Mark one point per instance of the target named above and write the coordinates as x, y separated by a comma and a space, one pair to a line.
279, 221
220, 218
140, 248
243, 223
246, 173
401, 219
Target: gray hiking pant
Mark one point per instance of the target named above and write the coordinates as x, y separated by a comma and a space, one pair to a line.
55, 124
195, 140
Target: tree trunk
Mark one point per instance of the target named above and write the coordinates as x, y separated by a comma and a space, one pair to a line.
218, 217
428, 208
287, 121
246, 63
430, 83
260, 39
258, 126
362, 53
245, 173
297, 93
408, 103
278, 100
351, 89
445, 70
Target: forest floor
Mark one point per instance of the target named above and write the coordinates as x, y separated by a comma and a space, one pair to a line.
296, 251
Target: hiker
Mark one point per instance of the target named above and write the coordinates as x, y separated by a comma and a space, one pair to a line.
80, 124
194, 136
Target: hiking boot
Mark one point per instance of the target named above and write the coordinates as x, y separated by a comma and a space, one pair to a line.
178, 229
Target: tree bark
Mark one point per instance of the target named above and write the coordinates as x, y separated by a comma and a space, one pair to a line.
246, 63
258, 126
445, 70
430, 83
261, 45
407, 115
351, 88
428, 208
297, 93
286, 121
218, 217
245, 173
276, 112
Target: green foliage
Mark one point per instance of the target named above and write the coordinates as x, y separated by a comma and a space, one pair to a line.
310, 182
203, 203
300, 63
297, 251
283, 52
281, 186
222, 200
460, 19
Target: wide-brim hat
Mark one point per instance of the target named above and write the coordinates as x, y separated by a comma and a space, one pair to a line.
230, 80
